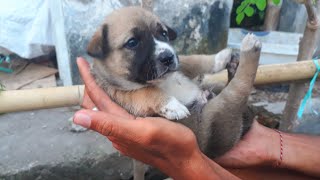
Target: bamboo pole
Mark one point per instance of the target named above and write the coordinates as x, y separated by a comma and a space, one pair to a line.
32, 99
274, 73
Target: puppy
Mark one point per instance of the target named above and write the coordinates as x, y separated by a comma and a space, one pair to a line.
138, 68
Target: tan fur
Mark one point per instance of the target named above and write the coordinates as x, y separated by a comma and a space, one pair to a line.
136, 102
194, 65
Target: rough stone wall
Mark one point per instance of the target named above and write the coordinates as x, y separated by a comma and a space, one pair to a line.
202, 25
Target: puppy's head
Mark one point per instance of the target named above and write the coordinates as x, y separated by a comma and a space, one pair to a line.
132, 46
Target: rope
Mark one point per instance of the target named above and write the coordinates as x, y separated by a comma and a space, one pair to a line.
309, 92
5, 59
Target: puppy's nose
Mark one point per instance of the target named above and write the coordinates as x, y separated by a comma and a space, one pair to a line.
166, 58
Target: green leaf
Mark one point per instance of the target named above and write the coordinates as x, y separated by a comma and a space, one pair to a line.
242, 6
276, 2
240, 18
253, 1
249, 11
261, 4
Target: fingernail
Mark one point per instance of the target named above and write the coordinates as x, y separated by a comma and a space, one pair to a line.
82, 119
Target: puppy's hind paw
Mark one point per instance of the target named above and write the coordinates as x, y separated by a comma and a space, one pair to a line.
174, 110
232, 66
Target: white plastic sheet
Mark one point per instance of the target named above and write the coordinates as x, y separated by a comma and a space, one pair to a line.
26, 27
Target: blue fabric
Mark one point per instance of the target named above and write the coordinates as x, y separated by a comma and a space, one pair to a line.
309, 93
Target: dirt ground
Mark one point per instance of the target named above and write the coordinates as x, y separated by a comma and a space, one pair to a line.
276, 93
272, 99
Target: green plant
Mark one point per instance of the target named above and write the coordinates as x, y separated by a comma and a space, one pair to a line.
246, 8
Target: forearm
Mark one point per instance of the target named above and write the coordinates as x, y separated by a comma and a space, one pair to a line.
199, 167
301, 153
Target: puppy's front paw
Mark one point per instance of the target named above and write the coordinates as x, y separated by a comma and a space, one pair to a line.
221, 60
174, 110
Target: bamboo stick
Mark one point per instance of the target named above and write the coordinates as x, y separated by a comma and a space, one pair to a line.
274, 73
32, 99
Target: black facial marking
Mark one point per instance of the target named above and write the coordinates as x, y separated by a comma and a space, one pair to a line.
161, 34
171, 33
143, 67
165, 34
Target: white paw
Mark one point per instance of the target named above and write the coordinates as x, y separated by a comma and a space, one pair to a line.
174, 110
222, 58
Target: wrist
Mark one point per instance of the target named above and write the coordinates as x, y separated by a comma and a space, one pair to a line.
273, 147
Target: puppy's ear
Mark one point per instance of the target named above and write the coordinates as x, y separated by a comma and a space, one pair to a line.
98, 46
171, 33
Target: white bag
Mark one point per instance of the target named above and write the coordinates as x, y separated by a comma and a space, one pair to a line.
26, 27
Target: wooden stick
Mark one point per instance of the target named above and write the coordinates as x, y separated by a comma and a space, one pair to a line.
274, 73
32, 99
307, 46
272, 16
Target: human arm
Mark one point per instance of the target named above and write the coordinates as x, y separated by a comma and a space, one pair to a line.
301, 153
261, 146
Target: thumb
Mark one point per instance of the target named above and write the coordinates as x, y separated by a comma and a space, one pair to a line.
104, 123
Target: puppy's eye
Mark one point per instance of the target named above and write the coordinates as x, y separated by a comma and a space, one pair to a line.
132, 43
164, 34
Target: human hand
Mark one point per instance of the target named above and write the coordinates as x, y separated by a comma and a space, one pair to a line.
156, 141
260, 146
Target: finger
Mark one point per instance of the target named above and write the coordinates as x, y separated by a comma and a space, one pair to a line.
108, 124
119, 148
96, 94
92, 89
87, 102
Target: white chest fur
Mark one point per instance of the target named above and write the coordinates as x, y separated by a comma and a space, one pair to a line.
180, 87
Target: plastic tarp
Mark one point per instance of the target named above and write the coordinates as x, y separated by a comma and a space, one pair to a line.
26, 27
